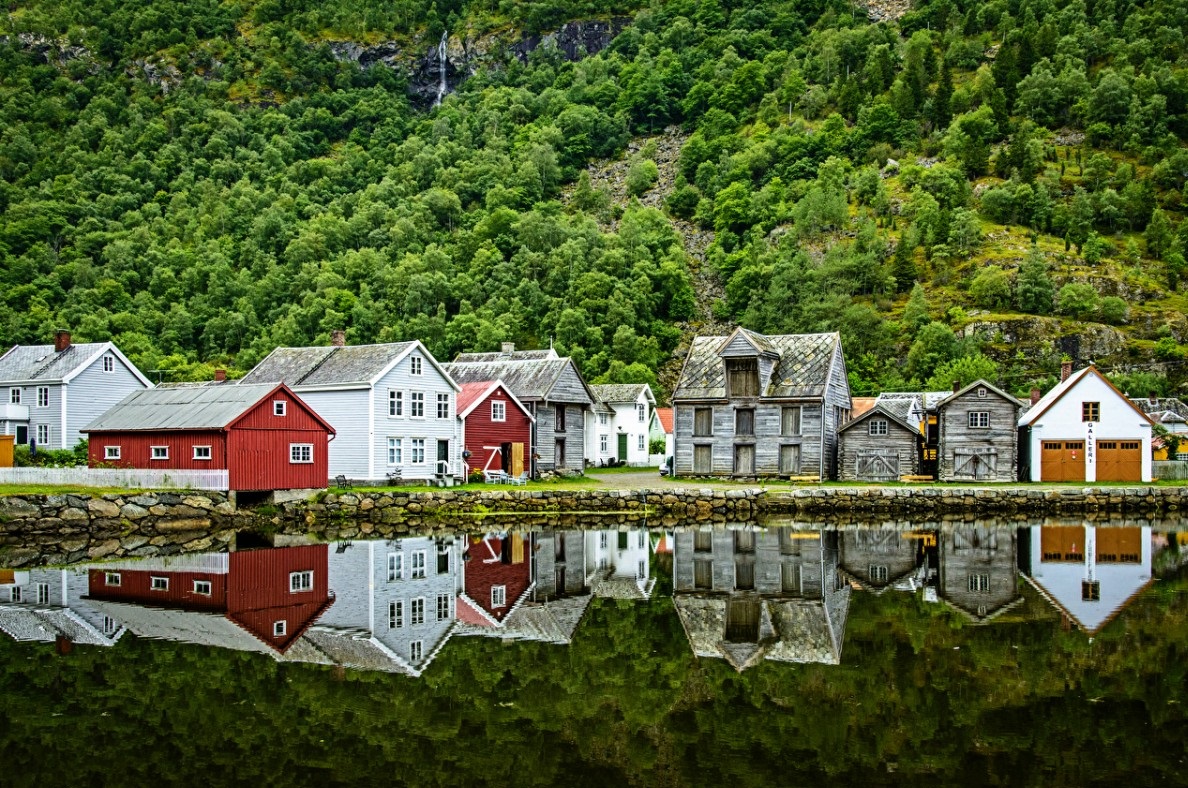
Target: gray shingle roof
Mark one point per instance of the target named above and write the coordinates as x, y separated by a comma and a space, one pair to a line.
515, 355
792, 630
930, 398
1157, 408
803, 368
41, 362
618, 392
190, 408
528, 380
326, 366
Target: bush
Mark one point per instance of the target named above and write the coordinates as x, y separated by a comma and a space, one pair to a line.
642, 176
991, 289
1077, 300
1114, 311
656, 446
1167, 349
47, 458
683, 202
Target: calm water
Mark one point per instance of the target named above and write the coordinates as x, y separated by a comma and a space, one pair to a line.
742, 656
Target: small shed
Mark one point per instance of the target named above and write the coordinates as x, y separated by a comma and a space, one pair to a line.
883, 443
264, 436
978, 437
496, 427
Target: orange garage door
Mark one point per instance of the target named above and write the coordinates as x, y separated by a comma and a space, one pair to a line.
1119, 461
1062, 461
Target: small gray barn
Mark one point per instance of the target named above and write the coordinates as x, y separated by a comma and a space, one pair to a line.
978, 436
882, 444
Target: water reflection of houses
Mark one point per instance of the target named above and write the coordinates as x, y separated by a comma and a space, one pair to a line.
1089, 573
617, 563
978, 571
747, 595
253, 600
47, 605
880, 559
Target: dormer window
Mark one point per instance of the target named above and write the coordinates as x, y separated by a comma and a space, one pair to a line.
742, 377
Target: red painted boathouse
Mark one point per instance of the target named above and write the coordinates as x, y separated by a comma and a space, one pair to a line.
496, 427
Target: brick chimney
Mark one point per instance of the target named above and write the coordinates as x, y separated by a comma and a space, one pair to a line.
956, 386
338, 338
508, 348
1153, 398
1065, 370
1036, 395
61, 340
220, 375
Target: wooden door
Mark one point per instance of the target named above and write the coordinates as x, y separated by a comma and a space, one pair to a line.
622, 455
980, 463
1062, 461
742, 620
703, 457
1119, 461
517, 459
877, 465
559, 453
790, 459
744, 460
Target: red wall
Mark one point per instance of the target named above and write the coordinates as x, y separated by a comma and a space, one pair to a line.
135, 587
135, 449
481, 431
259, 579
258, 447
480, 576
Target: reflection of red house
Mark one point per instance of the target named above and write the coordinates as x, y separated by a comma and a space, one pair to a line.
497, 571
496, 427
264, 436
273, 594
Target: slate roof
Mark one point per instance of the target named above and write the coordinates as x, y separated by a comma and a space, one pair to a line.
25, 623
803, 368
196, 408
621, 392
605, 584
338, 647
515, 355
930, 398
42, 363
327, 366
1163, 409
529, 380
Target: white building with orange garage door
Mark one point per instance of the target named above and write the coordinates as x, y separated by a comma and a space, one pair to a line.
1084, 430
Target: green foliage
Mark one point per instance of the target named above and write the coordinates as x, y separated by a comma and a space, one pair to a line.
1114, 310
991, 288
642, 176
656, 446
915, 314
1077, 299
962, 371
1034, 289
935, 346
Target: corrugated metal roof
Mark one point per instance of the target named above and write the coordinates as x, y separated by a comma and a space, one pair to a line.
803, 368
42, 362
196, 408
528, 380
326, 366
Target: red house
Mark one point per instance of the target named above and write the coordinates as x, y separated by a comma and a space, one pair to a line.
273, 595
496, 572
496, 427
263, 436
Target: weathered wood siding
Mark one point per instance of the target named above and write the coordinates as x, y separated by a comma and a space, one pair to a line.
767, 439
978, 552
837, 412
857, 438
957, 436
862, 550
547, 435
776, 552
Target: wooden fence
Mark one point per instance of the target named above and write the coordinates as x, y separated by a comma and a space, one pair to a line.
1170, 469
131, 478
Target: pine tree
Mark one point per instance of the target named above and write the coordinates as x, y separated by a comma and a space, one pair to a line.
942, 98
915, 314
1034, 291
903, 266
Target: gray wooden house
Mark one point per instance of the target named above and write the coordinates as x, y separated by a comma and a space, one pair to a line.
879, 559
746, 595
751, 405
551, 387
884, 443
978, 571
978, 437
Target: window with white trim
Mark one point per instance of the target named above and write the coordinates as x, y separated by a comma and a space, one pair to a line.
498, 596
300, 582
280, 628
602, 443
395, 451
603, 540
877, 574
417, 566
603, 419
982, 392
643, 540
396, 614
416, 451
201, 452
278, 407
443, 406
300, 453
415, 365
395, 403
43, 434
109, 625
16, 594
416, 650
111, 452
159, 453
395, 566
43, 593
641, 412
978, 583
14, 396
158, 583
878, 427
43, 396
498, 411
416, 404
202, 587
109, 363
979, 419
642, 570
443, 607
416, 611
641, 443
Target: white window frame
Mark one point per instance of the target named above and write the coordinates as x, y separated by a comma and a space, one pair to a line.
643, 540
643, 569
301, 582
395, 451
111, 452
603, 419
603, 443
877, 427
109, 625
109, 363
396, 614
417, 567
43, 396
877, 573
301, 454
158, 583
202, 587
14, 396
112, 579
416, 366
443, 611
641, 443
979, 419
395, 567
641, 412
158, 452
280, 628
279, 407
416, 404
395, 404
16, 594
203, 453
603, 540
43, 593
498, 596
443, 406
498, 410
416, 448
43, 434
416, 611
416, 651
982, 392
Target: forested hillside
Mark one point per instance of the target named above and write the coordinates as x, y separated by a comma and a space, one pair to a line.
974, 188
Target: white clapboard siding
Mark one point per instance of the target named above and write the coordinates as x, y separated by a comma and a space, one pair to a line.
132, 478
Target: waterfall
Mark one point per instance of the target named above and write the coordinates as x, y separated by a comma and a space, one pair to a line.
442, 87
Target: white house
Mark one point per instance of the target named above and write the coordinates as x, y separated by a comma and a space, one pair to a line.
620, 425
617, 563
44, 604
1084, 429
393, 406
48, 393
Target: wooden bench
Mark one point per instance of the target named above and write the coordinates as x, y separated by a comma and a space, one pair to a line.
922, 478
804, 479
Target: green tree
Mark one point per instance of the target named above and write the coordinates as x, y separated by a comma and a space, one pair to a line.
1033, 288
1077, 299
935, 344
915, 314
991, 288
962, 371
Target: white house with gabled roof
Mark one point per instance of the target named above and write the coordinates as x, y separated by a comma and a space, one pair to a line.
48, 393
1085, 430
619, 426
393, 406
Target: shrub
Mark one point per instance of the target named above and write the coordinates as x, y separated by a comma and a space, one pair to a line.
1077, 299
991, 289
642, 176
1114, 310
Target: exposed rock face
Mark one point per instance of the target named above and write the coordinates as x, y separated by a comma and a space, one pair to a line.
887, 10
1091, 342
